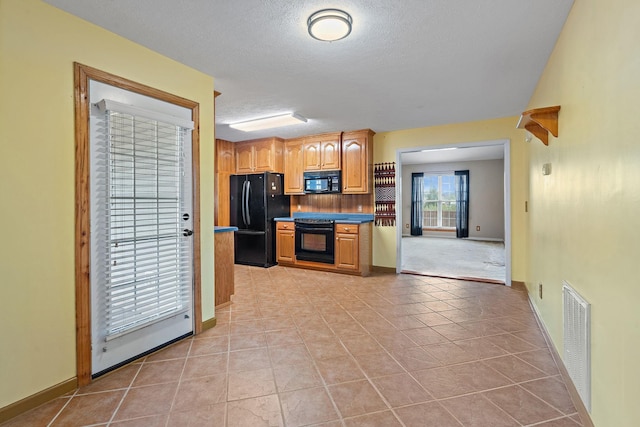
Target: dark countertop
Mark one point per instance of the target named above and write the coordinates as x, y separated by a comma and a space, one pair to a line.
223, 229
342, 218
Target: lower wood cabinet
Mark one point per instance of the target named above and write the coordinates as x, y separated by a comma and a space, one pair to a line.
224, 267
285, 242
352, 249
346, 247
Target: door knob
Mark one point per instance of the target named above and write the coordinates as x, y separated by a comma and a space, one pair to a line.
186, 232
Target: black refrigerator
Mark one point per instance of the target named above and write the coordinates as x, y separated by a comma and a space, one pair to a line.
257, 199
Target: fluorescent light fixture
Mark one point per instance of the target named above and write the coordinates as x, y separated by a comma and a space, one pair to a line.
438, 149
329, 25
269, 122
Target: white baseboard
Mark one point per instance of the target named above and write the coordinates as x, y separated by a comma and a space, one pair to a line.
486, 239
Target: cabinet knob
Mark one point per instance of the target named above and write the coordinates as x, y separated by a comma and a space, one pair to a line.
285, 226
347, 229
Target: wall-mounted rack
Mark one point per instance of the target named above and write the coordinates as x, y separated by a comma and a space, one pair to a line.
540, 121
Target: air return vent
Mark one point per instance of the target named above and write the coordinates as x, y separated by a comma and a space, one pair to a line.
577, 343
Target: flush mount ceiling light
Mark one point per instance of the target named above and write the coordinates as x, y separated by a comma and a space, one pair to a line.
269, 122
329, 25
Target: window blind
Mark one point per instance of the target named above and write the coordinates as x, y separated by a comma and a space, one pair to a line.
145, 272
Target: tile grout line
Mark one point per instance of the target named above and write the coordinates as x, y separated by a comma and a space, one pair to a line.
175, 394
271, 365
115, 411
62, 409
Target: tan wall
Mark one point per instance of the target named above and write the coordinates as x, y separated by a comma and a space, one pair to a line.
386, 145
38, 45
585, 222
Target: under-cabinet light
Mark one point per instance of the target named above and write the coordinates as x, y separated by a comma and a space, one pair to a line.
269, 122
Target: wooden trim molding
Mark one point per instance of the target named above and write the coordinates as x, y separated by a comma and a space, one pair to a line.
571, 388
384, 270
35, 400
82, 75
516, 284
208, 324
82, 236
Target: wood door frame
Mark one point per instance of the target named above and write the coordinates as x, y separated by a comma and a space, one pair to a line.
82, 75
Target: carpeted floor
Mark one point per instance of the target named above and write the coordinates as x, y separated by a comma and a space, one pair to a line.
455, 258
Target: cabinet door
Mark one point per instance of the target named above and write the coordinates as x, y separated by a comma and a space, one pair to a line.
264, 156
285, 243
224, 156
222, 199
312, 155
330, 154
224, 268
244, 158
355, 160
293, 167
347, 251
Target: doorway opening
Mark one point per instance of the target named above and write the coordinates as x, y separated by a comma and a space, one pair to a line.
440, 232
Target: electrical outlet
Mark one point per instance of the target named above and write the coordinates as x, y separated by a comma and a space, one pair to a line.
477, 228
540, 289
406, 226
359, 208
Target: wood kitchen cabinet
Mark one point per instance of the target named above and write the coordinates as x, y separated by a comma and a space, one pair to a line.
285, 242
357, 162
293, 166
322, 152
224, 267
259, 155
224, 168
347, 248
352, 249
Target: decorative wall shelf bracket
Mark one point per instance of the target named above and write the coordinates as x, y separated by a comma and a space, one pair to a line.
540, 121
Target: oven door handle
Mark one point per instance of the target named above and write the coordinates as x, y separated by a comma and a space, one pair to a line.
312, 229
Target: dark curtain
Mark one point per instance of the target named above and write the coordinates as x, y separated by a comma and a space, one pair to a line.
462, 204
417, 185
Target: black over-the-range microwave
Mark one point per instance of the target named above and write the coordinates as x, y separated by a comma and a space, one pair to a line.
322, 182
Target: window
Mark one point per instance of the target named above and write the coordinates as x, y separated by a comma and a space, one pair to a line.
439, 201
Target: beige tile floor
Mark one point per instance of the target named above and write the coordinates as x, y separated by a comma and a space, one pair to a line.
300, 348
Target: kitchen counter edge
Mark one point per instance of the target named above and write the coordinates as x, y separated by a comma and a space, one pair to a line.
224, 229
337, 220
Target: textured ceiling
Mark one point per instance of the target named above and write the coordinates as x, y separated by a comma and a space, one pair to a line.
406, 64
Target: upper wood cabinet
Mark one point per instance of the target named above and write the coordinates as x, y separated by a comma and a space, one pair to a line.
293, 166
357, 162
259, 155
322, 152
224, 160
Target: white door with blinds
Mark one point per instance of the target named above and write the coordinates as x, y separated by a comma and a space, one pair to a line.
141, 225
